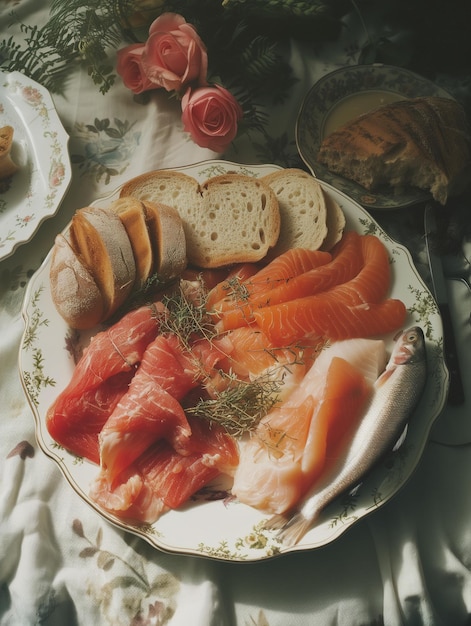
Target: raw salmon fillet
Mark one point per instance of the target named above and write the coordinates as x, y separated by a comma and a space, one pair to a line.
100, 378
292, 443
283, 268
356, 308
162, 479
320, 316
347, 260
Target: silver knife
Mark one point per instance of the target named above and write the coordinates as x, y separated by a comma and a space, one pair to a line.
455, 392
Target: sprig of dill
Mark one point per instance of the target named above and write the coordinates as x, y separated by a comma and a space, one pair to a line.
187, 318
239, 407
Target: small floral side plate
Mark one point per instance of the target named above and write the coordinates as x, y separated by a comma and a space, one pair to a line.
346, 88
39, 147
213, 524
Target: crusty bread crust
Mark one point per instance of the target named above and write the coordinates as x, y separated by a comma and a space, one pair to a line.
230, 218
103, 243
420, 142
132, 214
73, 289
335, 223
168, 240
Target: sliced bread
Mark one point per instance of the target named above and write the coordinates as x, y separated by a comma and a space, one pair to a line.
73, 288
168, 187
100, 238
230, 218
239, 221
133, 215
335, 223
168, 240
303, 211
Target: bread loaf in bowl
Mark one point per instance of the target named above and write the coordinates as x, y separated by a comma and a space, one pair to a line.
228, 219
419, 142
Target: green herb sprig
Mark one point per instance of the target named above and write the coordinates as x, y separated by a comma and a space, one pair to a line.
241, 404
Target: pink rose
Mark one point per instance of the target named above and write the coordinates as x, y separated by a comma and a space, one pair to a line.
174, 53
129, 67
210, 115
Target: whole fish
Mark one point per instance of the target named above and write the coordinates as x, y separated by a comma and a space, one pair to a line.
396, 392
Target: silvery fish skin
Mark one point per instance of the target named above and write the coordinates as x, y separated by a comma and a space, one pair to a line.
396, 392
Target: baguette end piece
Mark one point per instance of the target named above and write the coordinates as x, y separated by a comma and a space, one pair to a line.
74, 291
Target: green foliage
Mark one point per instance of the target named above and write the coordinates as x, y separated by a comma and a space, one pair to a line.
245, 42
77, 33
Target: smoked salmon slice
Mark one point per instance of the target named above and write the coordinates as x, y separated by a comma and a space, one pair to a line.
252, 357
355, 308
347, 261
323, 316
150, 409
224, 288
289, 264
100, 378
76, 425
292, 445
162, 479
373, 281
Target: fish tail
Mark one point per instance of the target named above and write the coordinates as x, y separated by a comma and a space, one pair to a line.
294, 529
276, 522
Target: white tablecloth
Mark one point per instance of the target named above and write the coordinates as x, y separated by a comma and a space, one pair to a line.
61, 563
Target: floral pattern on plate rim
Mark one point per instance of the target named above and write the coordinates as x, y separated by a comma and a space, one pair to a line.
40, 374
48, 168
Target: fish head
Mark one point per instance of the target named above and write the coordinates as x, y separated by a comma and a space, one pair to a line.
409, 347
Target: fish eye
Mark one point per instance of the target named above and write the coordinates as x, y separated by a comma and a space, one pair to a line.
412, 336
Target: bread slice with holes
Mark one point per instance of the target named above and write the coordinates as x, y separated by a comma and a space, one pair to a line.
238, 222
303, 211
230, 218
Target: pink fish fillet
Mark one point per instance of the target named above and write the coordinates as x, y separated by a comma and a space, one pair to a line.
150, 409
99, 380
289, 448
162, 479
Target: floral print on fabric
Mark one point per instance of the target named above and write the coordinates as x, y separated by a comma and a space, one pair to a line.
144, 600
104, 147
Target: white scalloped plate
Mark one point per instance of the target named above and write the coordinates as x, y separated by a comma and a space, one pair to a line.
225, 529
40, 149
